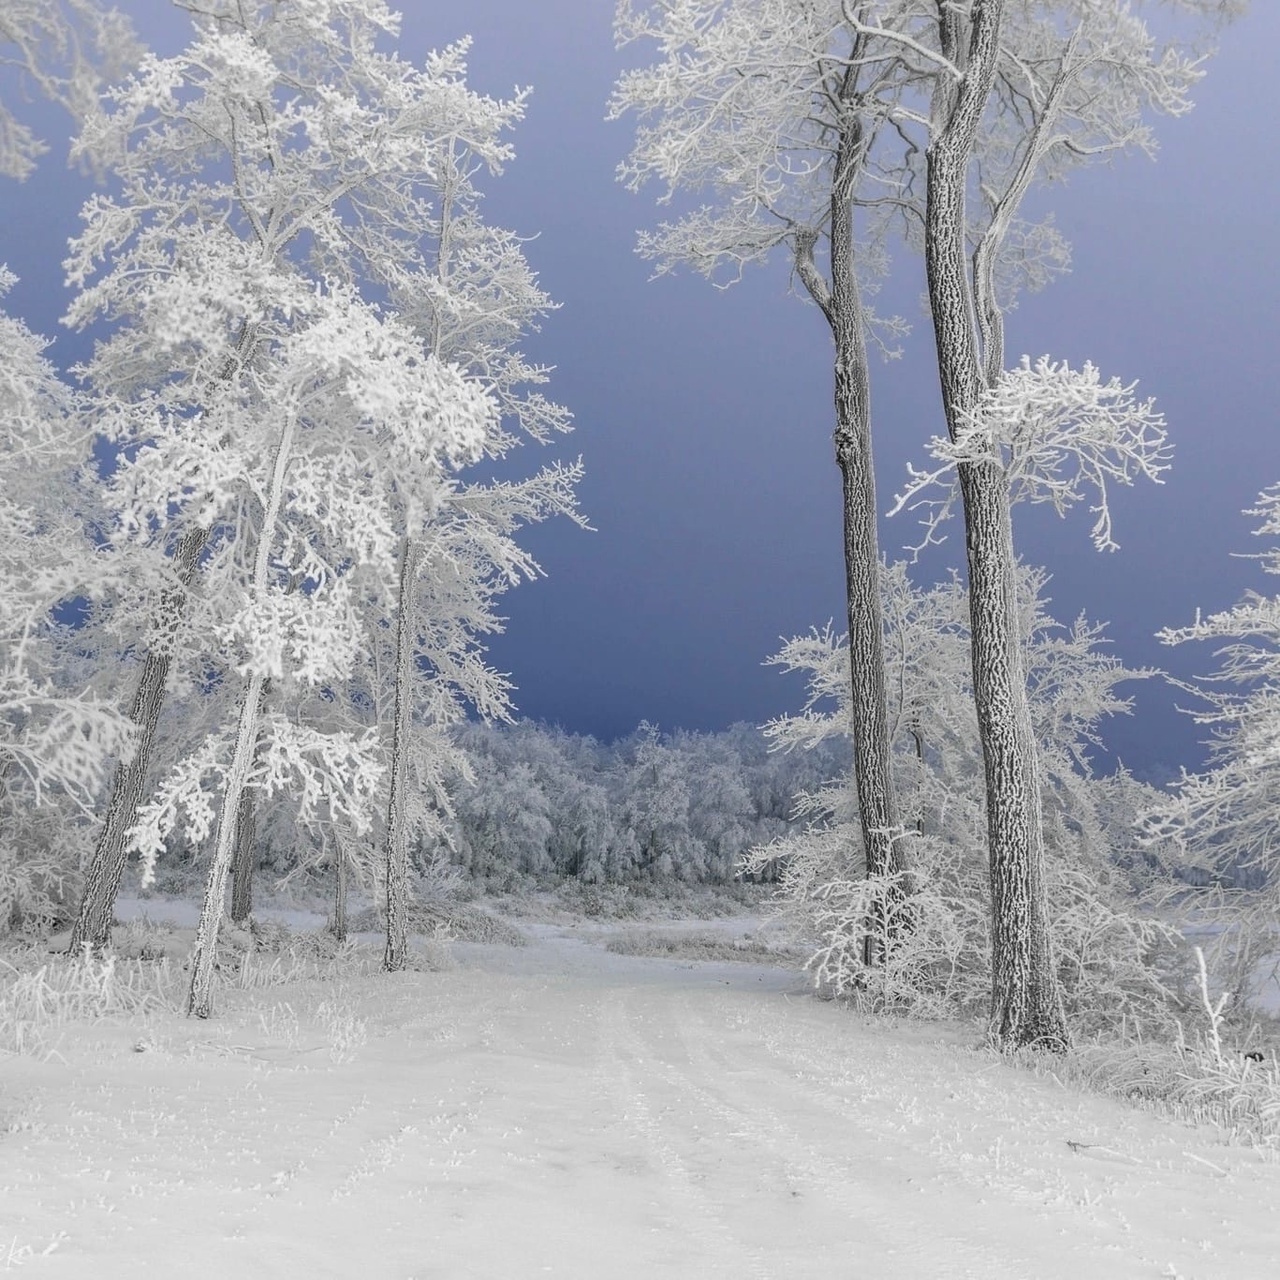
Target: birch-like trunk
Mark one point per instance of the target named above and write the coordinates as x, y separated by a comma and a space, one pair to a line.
110, 852
397, 847
1026, 1001
205, 951
841, 303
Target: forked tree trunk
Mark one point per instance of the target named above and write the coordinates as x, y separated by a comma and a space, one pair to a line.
397, 848
110, 852
1026, 1000
204, 954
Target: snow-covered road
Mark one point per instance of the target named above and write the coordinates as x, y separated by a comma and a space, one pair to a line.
558, 1110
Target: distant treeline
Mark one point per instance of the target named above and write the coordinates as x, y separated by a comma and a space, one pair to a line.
651, 805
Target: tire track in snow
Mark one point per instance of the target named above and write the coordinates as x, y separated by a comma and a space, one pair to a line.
624, 1061
866, 1198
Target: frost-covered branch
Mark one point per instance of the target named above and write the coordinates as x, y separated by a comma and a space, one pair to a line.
66, 49
1060, 435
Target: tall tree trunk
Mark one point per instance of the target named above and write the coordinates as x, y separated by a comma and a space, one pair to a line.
106, 866
1026, 1000
397, 848
841, 303
204, 954
877, 804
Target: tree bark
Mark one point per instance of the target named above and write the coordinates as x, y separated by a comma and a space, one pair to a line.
340, 889
841, 303
110, 852
244, 861
205, 952
1026, 1001
397, 848
244, 858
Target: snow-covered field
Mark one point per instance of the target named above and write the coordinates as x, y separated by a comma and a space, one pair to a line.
561, 1110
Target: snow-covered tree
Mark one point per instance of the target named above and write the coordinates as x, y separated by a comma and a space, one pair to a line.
828, 120
272, 172
658, 795
942, 964
473, 300
1020, 90
56, 734
297, 486
772, 111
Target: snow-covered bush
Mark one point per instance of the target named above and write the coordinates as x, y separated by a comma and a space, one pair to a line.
1217, 830
39, 994
929, 950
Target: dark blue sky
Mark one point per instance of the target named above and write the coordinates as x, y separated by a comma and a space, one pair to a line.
704, 417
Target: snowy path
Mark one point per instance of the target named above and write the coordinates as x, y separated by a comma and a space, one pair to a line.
561, 1111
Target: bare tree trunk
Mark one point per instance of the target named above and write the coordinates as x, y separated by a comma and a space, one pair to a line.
918, 738
340, 889
841, 303
397, 849
1026, 1000
106, 866
244, 861
244, 857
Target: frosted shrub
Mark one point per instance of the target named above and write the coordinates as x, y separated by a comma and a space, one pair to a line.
929, 930
929, 933
345, 1032
40, 855
38, 994
1217, 829
435, 878
1212, 1069
928, 947
142, 940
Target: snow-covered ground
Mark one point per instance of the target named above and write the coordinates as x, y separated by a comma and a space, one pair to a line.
560, 1110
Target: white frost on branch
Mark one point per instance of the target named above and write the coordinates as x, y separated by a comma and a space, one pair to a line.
328, 776
64, 49
1058, 434
55, 737
272, 181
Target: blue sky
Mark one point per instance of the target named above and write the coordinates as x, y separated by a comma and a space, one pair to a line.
704, 417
